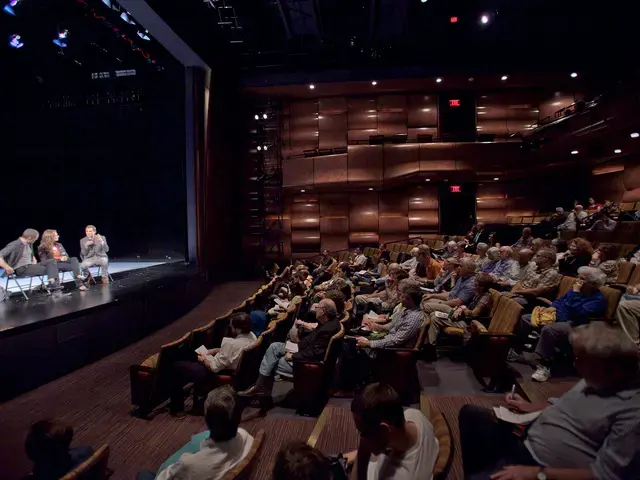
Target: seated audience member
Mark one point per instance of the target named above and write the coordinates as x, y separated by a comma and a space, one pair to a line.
17, 257
576, 307
481, 235
446, 278
578, 255
417, 242
384, 252
239, 336
634, 256
593, 206
517, 269
48, 446
427, 268
51, 249
525, 240
460, 250
538, 282
395, 444
558, 218
302, 327
537, 244
384, 322
504, 262
93, 252
604, 223
574, 219
450, 250
311, 348
359, 261
225, 447
590, 432
561, 246
462, 293
326, 263
411, 264
481, 251
299, 461
493, 257
628, 312
606, 258
479, 306
385, 299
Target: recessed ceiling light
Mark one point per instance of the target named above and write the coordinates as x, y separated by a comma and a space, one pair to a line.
504, 77
635, 135
426, 109
259, 148
371, 189
438, 80
266, 146
574, 152
574, 75
265, 116
617, 150
427, 179
312, 86
471, 79
374, 83
256, 117
302, 191
496, 178
484, 19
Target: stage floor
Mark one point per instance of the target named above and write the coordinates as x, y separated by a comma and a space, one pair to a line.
18, 314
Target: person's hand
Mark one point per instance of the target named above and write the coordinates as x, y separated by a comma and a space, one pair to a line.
201, 358
426, 296
288, 356
350, 457
519, 403
631, 289
214, 351
10, 271
577, 286
517, 472
375, 327
89, 243
64, 258
363, 342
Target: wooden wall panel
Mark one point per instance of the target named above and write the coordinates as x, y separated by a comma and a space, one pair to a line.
491, 202
330, 169
392, 123
305, 216
332, 105
297, 172
393, 204
332, 130
437, 156
422, 111
362, 113
363, 214
367, 239
400, 160
365, 163
424, 210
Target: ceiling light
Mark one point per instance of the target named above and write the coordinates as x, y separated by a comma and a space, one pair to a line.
302, 191
484, 19
266, 146
423, 1
438, 80
574, 75
371, 189
574, 152
427, 179
481, 108
374, 83
265, 116
482, 113
496, 178
144, 35
259, 148
9, 8
312, 86
15, 42
617, 150
426, 109
504, 77
635, 135
256, 117
471, 79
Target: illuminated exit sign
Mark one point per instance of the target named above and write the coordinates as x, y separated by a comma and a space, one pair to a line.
456, 189
454, 102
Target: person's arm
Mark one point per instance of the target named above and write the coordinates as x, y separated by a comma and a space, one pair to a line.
5, 266
456, 302
171, 472
221, 360
84, 249
315, 347
435, 296
585, 309
4, 253
102, 245
405, 331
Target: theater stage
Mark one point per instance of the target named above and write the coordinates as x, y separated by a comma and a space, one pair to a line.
50, 335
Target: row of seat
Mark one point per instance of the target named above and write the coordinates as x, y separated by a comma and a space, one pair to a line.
624, 233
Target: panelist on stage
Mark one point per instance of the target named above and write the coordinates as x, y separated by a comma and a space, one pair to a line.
93, 251
51, 249
17, 257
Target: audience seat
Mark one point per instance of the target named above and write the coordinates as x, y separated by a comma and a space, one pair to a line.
613, 298
496, 297
397, 366
151, 380
625, 270
312, 380
93, 468
285, 321
242, 471
442, 433
210, 335
488, 347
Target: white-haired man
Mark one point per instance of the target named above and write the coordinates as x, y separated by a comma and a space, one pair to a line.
537, 282
575, 218
591, 432
501, 270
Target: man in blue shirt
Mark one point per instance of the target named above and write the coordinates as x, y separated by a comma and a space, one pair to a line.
582, 303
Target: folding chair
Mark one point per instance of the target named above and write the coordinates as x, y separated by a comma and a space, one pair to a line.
99, 274
14, 277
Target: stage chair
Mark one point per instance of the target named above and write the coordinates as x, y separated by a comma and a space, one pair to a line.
15, 279
96, 467
397, 366
312, 380
151, 380
488, 347
242, 471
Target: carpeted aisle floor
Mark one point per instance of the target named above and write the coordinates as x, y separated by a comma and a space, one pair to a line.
95, 401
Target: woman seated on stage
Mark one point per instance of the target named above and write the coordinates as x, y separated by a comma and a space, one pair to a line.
51, 249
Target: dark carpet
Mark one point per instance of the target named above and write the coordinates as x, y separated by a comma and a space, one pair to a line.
95, 401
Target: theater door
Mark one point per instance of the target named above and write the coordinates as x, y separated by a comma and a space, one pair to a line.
457, 207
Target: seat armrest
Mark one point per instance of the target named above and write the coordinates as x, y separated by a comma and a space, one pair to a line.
141, 369
495, 334
619, 286
544, 301
307, 362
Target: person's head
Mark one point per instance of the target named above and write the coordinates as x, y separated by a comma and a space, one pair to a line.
90, 231
221, 414
47, 444
506, 253
493, 254
424, 253
484, 282
338, 299
526, 232
30, 235
537, 244
400, 275
299, 461
591, 279
326, 310
605, 356
325, 253
358, 250
467, 267
411, 297
450, 264
578, 208
383, 246
559, 210
414, 252
460, 247
608, 251
608, 203
545, 258
418, 241
240, 323
591, 201
451, 246
479, 226
525, 256
49, 237
481, 249
580, 246
393, 268
560, 244
407, 283
379, 417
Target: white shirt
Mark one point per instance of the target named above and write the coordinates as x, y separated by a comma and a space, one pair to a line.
360, 261
230, 352
410, 264
417, 462
212, 461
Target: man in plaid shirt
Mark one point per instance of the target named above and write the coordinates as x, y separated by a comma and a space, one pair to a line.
537, 282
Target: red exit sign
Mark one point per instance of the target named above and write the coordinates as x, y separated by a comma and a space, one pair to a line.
454, 102
456, 189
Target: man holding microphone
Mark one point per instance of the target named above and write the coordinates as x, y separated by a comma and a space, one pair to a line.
93, 251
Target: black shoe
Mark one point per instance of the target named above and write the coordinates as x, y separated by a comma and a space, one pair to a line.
255, 391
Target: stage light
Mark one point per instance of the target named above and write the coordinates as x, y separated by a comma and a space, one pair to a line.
574, 152
617, 150
504, 77
574, 75
423, 1
14, 41
126, 16
62, 36
635, 135
374, 83
265, 147
453, 19
259, 147
265, 116
312, 86
144, 35
484, 19
471, 79
256, 117
438, 80
9, 7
